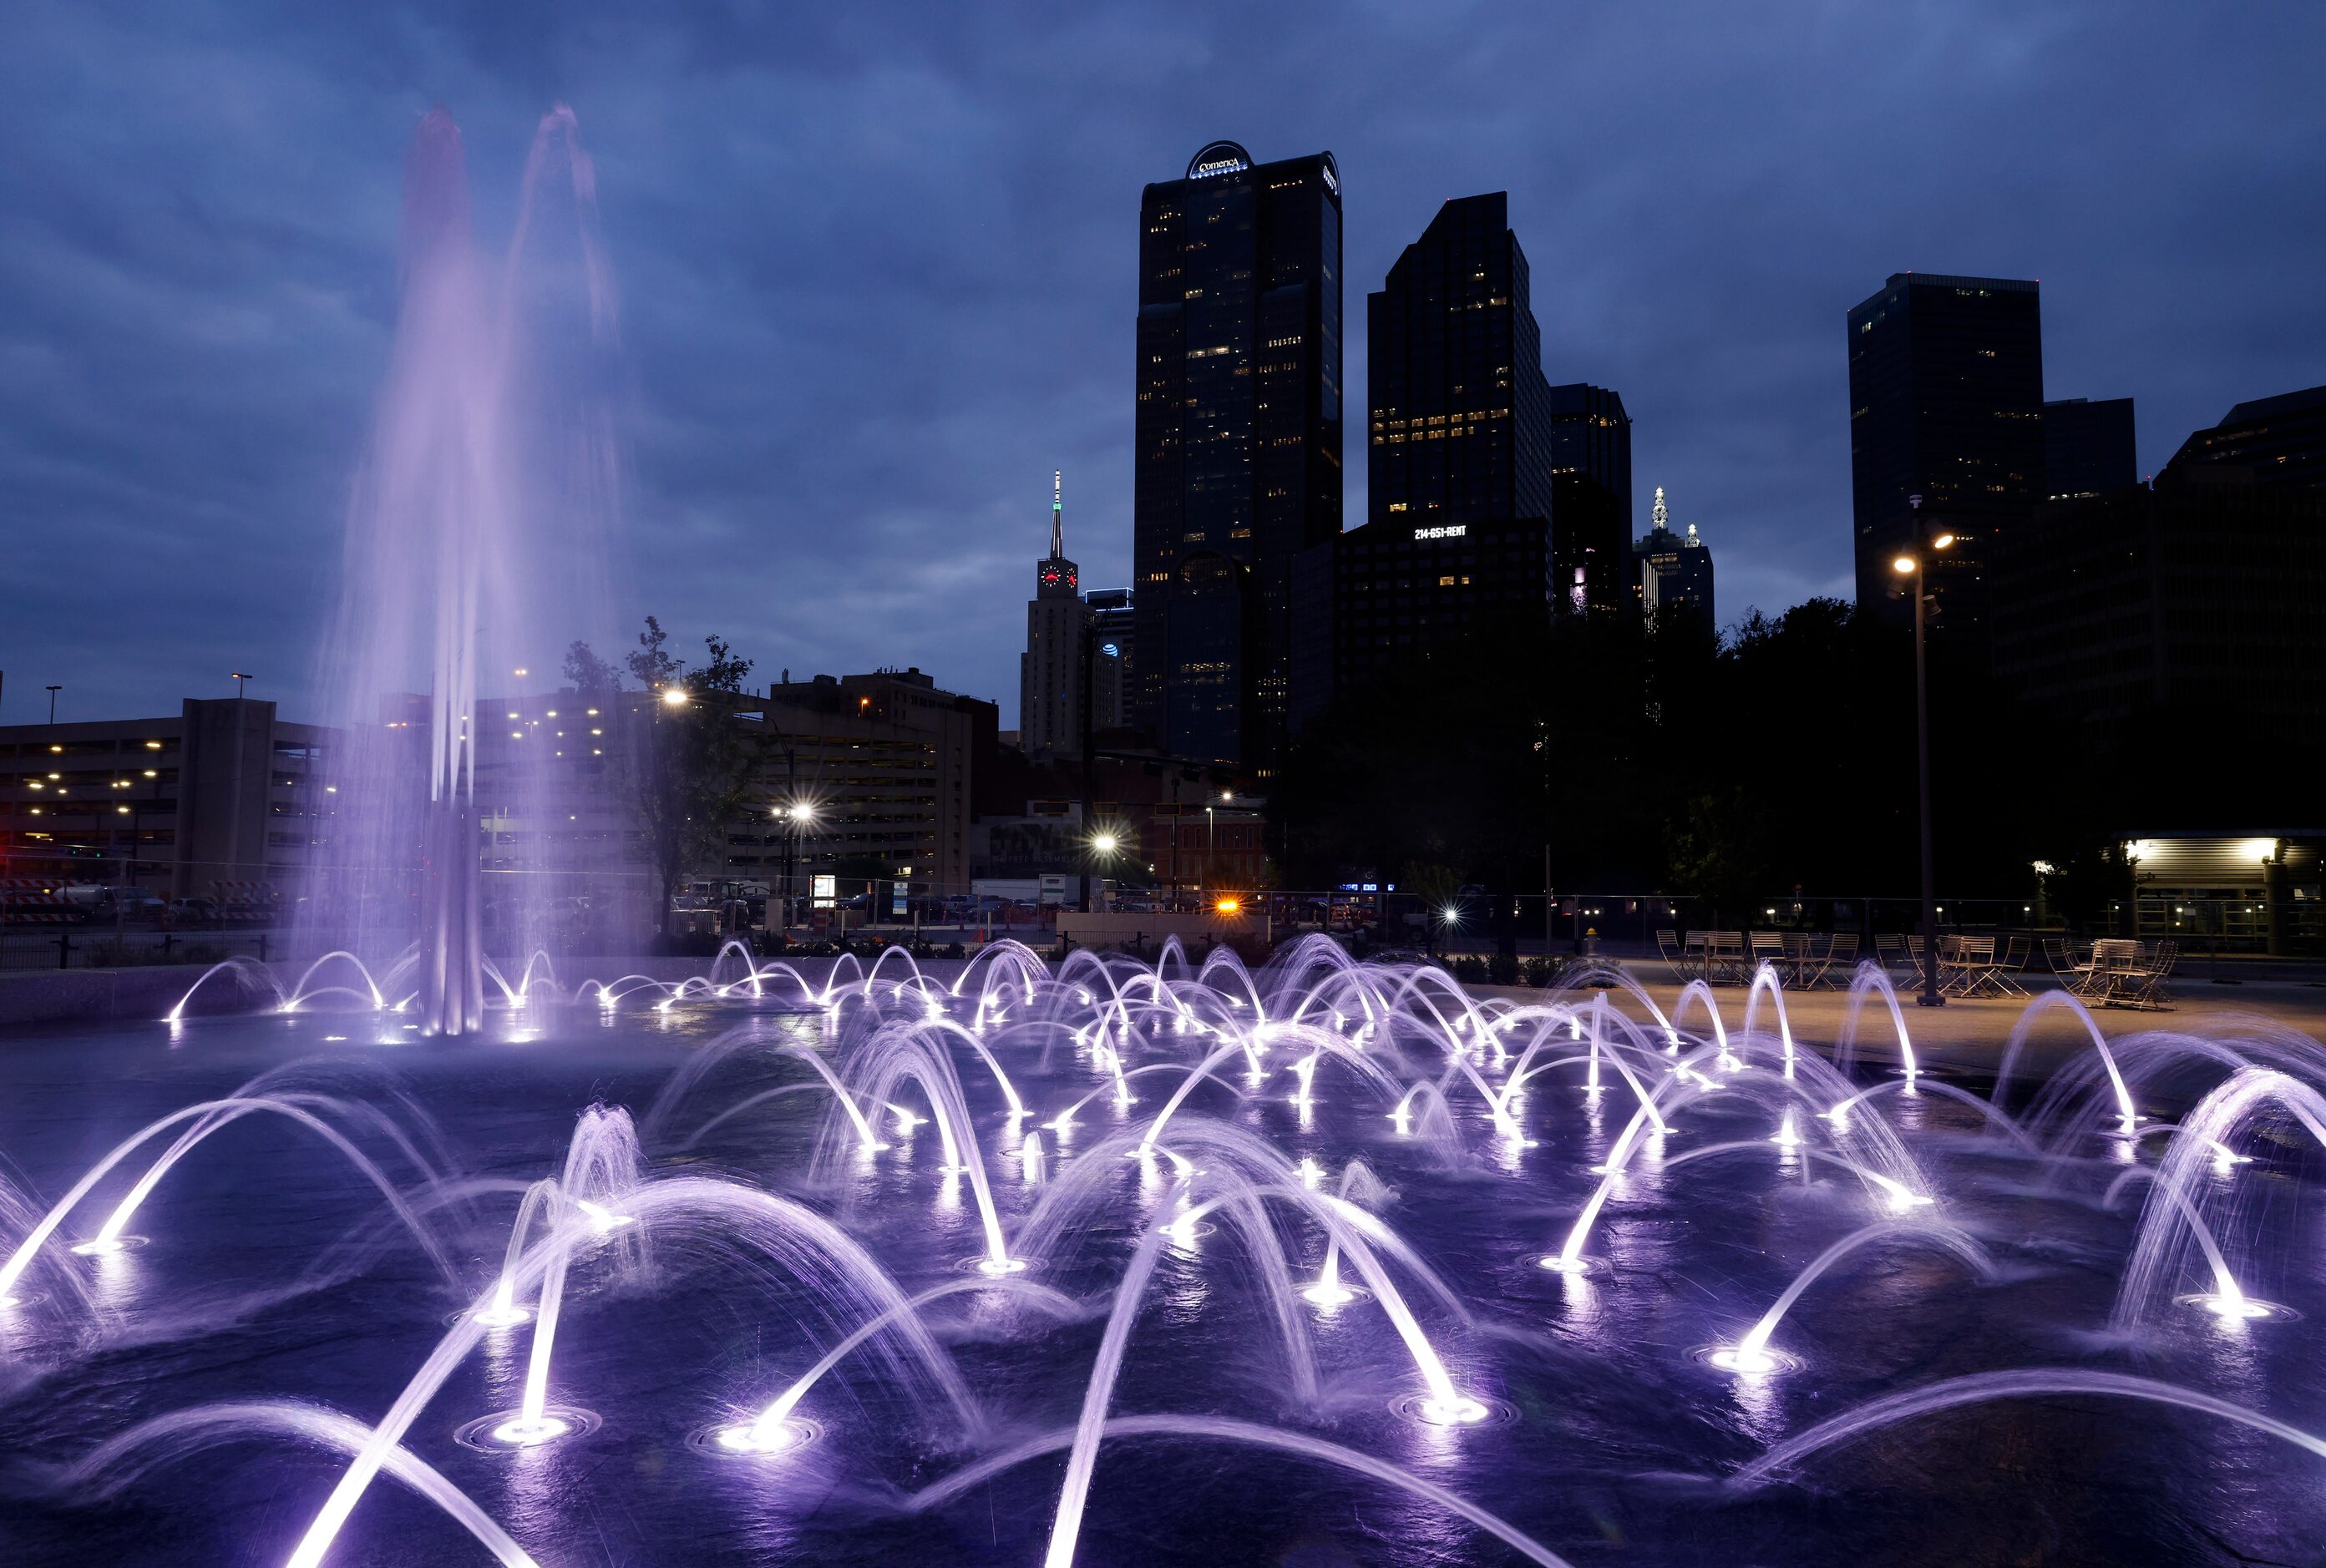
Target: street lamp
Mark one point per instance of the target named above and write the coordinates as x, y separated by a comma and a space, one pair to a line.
797, 815
1103, 845
240, 681
674, 696
1909, 564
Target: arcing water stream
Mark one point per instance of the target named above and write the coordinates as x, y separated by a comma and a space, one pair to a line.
1237, 1251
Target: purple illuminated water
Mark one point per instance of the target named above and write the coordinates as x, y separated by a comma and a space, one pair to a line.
621, 1280
477, 537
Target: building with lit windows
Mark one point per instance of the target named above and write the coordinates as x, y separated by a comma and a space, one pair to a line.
871, 775
1052, 669
1591, 499
1237, 466
2202, 595
2280, 442
1946, 434
1674, 569
1591, 436
1394, 593
220, 801
1459, 415
1114, 626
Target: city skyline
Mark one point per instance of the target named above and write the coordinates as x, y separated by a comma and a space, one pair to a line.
838, 414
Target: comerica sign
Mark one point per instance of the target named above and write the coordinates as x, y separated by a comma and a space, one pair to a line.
1449, 531
1219, 166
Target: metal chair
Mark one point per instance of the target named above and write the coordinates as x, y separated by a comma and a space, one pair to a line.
2060, 954
2147, 990
1839, 962
1768, 947
1668, 945
1890, 950
2008, 968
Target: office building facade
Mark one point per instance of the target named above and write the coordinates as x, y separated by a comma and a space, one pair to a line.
1675, 569
1052, 669
221, 801
1115, 630
1946, 422
2088, 448
1591, 487
1238, 442
1400, 592
2278, 442
2205, 594
882, 764
1459, 426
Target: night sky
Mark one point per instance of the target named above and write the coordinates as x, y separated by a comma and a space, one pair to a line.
877, 266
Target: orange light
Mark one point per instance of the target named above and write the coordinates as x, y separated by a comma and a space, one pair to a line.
1904, 563
1942, 541
1228, 905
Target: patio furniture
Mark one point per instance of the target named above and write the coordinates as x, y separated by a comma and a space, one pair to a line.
2009, 966
2060, 954
1890, 950
2116, 970
2143, 987
1968, 966
1724, 957
1839, 965
1668, 945
1768, 947
1803, 958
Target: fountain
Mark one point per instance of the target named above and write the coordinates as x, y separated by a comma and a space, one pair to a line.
963, 1218
887, 1238
475, 546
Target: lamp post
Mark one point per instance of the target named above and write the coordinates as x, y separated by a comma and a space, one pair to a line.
1103, 845
52, 703
1212, 836
798, 814
1909, 564
241, 680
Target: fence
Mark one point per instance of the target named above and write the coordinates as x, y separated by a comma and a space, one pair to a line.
94, 947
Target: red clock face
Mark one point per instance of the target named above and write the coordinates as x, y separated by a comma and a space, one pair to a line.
1052, 575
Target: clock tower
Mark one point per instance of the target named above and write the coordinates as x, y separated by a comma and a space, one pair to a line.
1050, 672
1055, 577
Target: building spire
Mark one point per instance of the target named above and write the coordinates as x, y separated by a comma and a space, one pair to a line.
1058, 514
1661, 515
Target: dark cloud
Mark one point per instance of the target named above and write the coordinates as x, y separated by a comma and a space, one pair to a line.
877, 270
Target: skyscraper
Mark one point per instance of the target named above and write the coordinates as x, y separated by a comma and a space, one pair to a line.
1238, 460
1114, 633
1050, 670
2279, 441
1460, 413
1591, 435
2088, 448
1675, 569
1946, 416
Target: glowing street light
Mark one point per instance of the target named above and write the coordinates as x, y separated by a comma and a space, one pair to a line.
1106, 843
674, 696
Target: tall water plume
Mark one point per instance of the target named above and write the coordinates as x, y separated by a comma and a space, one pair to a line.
476, 532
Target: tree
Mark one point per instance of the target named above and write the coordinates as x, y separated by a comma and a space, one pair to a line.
594, 679
693, 760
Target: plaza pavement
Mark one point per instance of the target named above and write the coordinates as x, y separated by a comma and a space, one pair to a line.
1972, 1035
